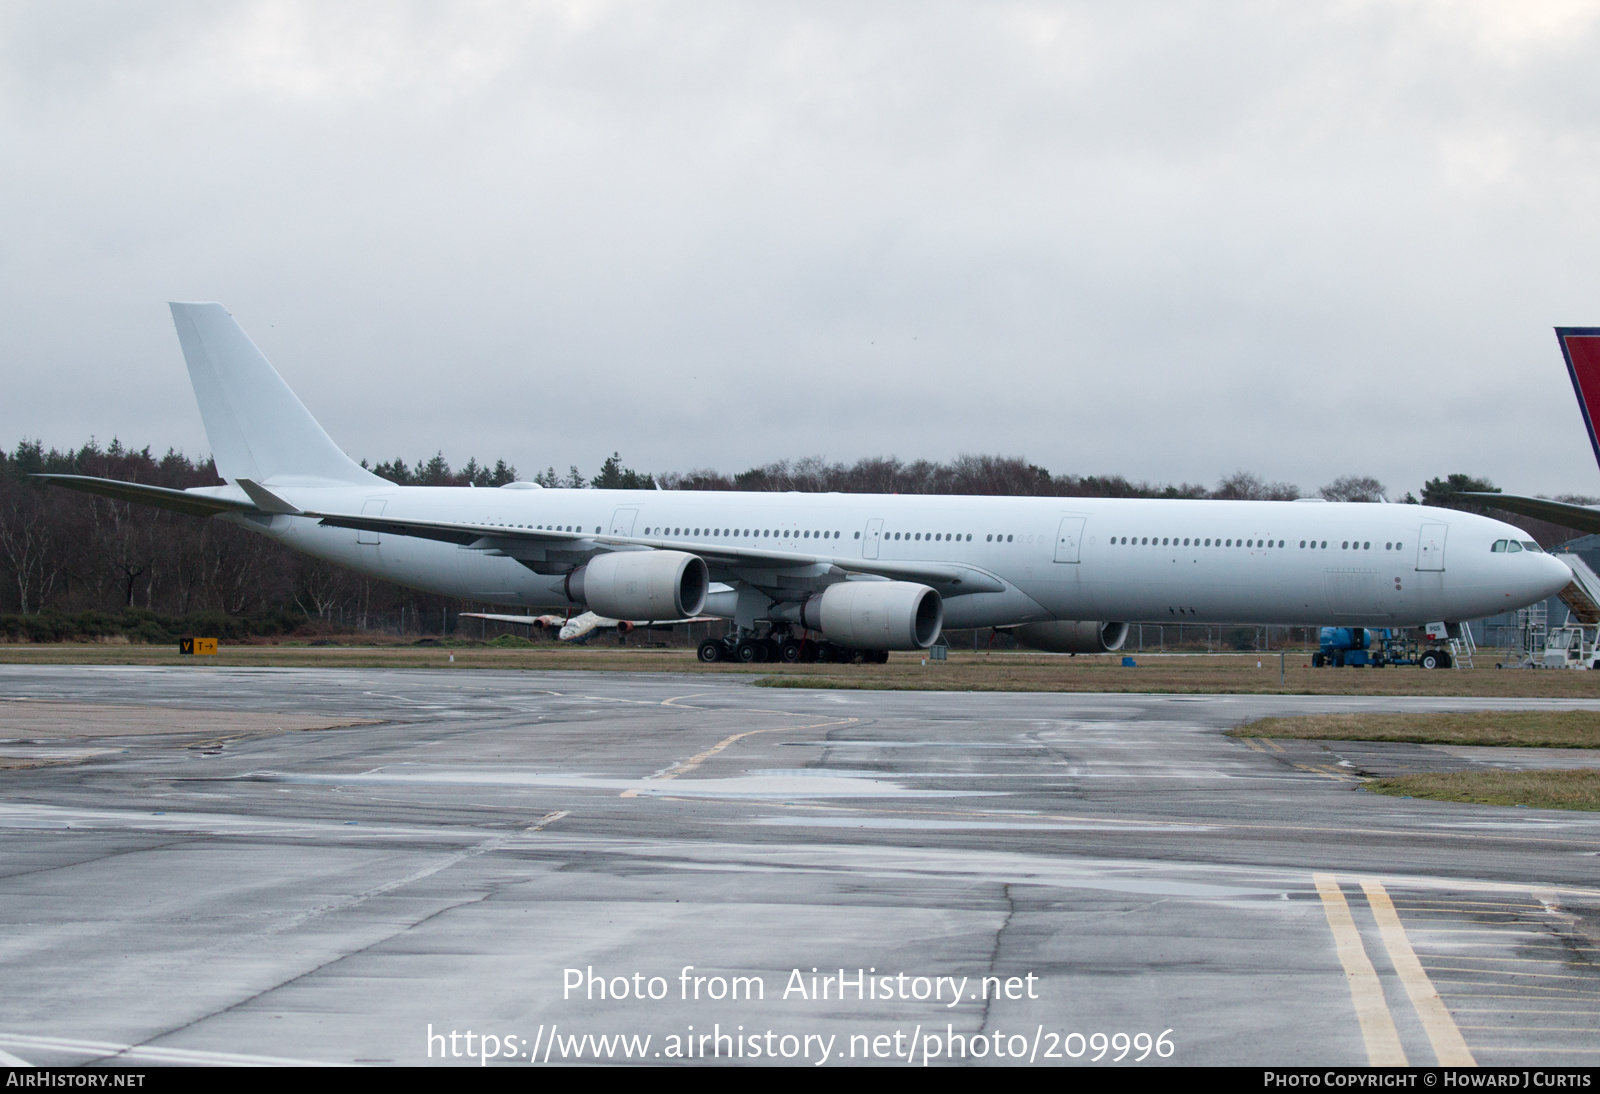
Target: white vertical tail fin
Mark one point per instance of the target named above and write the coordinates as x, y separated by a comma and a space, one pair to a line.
257, 427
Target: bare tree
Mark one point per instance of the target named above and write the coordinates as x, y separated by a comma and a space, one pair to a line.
1354, 488
1246, 486
28, 549
321, 587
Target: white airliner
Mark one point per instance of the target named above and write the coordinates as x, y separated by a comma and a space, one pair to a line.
850, 574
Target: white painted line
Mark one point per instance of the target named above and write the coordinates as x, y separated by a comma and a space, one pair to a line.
103, 1050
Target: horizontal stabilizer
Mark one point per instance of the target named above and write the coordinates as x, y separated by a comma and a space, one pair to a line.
266, 500
180, 501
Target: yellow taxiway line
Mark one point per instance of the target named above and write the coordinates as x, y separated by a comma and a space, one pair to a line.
1372, 1011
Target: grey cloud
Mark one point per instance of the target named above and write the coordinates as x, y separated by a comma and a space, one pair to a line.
1166, 240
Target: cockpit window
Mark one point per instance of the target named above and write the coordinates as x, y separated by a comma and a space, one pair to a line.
1531, 546
1499, 546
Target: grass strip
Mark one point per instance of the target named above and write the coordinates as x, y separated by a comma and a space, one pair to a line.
1558, 789
1519, 728
965, 671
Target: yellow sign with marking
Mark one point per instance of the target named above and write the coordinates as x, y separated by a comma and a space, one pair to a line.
197, 645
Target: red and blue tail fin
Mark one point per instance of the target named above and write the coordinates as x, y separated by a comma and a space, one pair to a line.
1581, 348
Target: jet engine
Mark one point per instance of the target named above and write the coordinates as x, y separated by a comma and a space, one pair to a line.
875, 615
641, 584
1072, 636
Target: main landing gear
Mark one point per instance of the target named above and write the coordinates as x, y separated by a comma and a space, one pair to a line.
782, 646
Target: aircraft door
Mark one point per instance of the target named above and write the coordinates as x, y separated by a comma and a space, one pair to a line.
373, 508
622, 522
1430, 546
869, 546
1069, 537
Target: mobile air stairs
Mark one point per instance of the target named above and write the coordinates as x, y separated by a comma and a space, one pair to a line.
1575, 645
1582, 597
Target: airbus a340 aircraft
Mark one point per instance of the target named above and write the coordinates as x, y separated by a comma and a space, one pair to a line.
858, 574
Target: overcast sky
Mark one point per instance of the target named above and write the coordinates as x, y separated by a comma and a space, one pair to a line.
1164, 240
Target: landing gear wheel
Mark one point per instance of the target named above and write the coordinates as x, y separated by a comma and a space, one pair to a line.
748, 651
712, 650
789, 652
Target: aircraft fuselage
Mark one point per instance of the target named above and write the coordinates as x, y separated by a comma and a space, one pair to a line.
1293, 563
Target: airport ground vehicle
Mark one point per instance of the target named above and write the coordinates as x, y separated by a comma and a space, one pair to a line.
868, 572
1343, 647
1573, 646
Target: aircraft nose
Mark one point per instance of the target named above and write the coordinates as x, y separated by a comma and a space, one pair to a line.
1553, 576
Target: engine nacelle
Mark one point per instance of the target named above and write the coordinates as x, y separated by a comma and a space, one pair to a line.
876, 615
1072, 636
723, 603
641, 584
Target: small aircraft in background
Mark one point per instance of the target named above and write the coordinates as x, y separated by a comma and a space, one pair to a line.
542, 622
580, 627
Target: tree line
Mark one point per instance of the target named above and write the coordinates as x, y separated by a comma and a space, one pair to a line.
114, 567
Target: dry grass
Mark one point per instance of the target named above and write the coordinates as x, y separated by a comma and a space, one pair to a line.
964, 671
1520, 728
1203, 675
1560, 789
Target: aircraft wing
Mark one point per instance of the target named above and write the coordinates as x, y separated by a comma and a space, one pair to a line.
1577, 517
181, 501
525, 620
670, 622
952, 579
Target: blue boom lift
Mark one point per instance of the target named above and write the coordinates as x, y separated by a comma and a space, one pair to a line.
1354, 646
